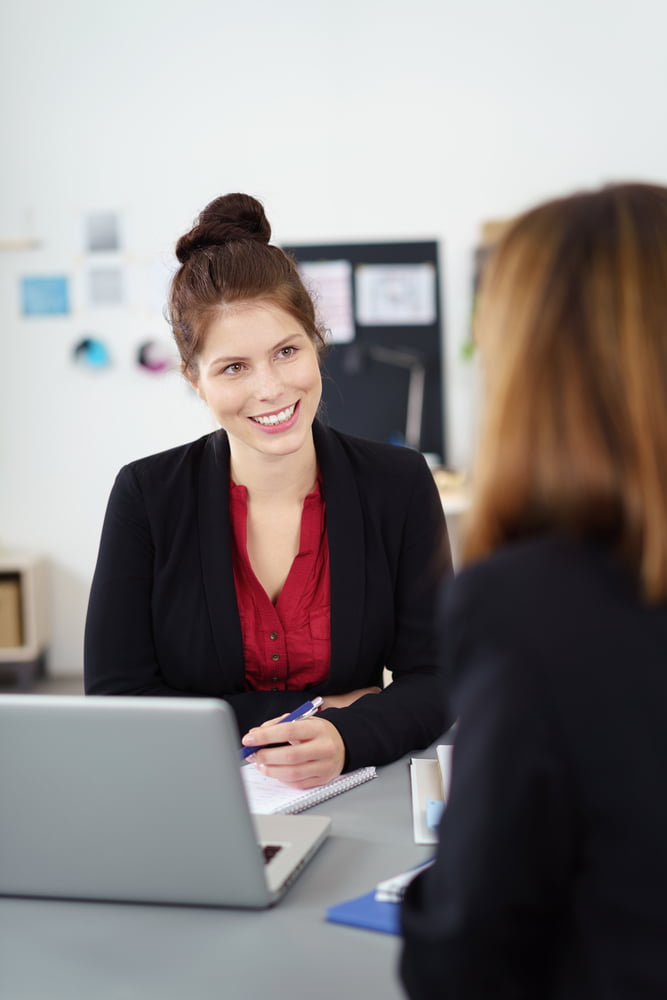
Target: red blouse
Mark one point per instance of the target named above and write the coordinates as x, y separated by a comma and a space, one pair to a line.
286, 646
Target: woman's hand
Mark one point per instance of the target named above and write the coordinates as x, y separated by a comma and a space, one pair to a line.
314, 752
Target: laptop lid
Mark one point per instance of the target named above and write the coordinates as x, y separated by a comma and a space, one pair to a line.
136, 799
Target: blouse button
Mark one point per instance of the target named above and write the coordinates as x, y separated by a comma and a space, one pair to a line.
275, 656
273, 635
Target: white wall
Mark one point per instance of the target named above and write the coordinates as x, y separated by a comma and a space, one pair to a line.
356, 120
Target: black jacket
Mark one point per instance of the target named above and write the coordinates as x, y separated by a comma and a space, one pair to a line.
551, 872
163, 618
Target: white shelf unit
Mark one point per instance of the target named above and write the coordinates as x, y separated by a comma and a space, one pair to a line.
27, 659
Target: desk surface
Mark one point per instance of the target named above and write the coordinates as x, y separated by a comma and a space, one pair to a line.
51, 950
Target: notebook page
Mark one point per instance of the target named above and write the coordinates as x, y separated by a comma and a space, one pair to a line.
268, 795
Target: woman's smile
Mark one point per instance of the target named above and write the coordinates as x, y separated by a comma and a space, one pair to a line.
277, 421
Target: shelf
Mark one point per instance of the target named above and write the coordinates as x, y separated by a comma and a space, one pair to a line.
24, 626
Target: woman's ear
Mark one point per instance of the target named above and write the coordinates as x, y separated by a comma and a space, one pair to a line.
192, 378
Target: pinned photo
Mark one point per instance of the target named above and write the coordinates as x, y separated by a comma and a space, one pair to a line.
102, 232
92, 353
154, 357
396, 294
105, 286
45, 296
330, 284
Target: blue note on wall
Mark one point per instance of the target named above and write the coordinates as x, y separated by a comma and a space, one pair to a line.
45, 296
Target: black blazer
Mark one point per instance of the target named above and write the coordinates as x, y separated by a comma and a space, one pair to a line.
163, 618
551, 872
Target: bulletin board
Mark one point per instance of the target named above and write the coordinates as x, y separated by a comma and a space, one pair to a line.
383, 375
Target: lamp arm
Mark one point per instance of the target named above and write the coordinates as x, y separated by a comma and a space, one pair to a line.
415, 407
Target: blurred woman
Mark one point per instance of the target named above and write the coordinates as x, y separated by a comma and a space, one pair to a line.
551, 873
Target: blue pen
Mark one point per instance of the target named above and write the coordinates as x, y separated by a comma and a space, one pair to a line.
302, 712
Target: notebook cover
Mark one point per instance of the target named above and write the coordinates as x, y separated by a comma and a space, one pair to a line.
366, 912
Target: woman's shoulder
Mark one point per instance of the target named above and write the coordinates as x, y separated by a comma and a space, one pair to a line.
542, 561
528, 569
545, 586
372, 456
176, 461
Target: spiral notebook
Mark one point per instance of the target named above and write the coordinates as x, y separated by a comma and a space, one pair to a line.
268, 795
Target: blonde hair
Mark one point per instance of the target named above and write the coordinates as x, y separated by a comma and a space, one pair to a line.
572, 329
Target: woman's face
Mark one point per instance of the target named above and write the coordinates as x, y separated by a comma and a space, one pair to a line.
260, 376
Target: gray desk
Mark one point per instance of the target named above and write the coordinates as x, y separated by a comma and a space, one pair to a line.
77, 951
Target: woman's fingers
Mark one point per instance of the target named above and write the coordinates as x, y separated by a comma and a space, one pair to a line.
314, 754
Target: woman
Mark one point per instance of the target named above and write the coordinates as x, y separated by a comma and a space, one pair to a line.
275, 559
551, 873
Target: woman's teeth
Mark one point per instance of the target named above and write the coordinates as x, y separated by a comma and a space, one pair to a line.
276, 418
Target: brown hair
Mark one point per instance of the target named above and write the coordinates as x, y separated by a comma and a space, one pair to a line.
226, 258
572, 327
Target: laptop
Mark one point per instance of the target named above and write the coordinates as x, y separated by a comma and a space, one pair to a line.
140, 800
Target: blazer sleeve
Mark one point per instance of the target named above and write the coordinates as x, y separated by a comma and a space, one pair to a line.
484, 920
412, 711
119, 651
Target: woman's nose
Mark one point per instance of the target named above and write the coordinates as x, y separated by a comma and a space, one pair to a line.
268, 384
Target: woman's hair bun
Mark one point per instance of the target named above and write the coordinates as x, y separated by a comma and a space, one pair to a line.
226, 219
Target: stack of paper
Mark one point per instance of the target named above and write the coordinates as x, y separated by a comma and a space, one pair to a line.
393, 889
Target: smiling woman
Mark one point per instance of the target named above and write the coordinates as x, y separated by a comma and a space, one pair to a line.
275, 556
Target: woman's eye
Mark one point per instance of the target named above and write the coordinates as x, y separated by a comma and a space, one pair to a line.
233, 369
287, 352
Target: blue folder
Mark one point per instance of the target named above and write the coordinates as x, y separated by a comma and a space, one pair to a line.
366, 912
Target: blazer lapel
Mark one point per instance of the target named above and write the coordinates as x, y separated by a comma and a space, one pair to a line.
345, 529
216, 559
